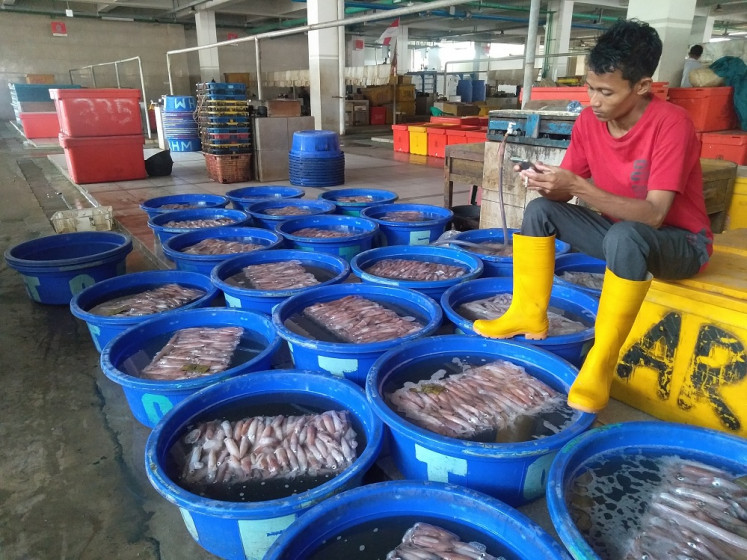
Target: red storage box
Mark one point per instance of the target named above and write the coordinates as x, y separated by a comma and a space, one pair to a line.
102, 159
401, 138
40, 125
436, 141
710, 108
456, 120
458, 135
98, 112
730, 145
581, 93
476, 136
377, 115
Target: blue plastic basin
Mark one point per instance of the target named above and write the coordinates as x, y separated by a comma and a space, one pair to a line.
104, 328
513, 472
204, 264
150, 399
258, 210
266, 300
378, 196
574, 302
315, 143
155, 206
245, 530
56, 267
359, 234
348, 360
164, 233
471, 515
243, 197
579, 262
420, 232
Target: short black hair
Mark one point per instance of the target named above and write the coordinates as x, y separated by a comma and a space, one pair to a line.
631, 46
696, 50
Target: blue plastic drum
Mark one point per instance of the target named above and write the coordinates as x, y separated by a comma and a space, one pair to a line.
245, 530
165, 232
357, 234
368, 197
173, 202
417, 232
579, 262
261, 211
244, 196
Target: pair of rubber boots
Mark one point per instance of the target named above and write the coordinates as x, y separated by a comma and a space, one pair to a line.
534, 269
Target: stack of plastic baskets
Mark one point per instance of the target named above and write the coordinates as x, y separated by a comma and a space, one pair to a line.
179, 125
315, 159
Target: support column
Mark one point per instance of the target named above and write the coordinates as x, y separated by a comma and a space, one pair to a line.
206, 35
324, 62
702, 29
560, 40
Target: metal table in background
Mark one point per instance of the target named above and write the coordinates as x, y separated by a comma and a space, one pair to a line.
463, 163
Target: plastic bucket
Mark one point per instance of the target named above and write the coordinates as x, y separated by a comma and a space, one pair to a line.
617, 441
472, 267
464, 90
472, 516
378, 196
315, 144
348, 360
155, 206
150, 399
513, 472
360, 233
103, 328
164, 233
571, 301
496, 265
204, 264
243, 197
335, 269
579, 262
245, 530
192, 144
56, 267
420, 232
258, 210
179, 103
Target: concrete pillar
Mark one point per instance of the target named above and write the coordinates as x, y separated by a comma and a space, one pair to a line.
560, 40
672, 19
324, 59
206, 35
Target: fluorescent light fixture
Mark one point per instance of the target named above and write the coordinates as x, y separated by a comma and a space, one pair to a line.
718, 39
115, 18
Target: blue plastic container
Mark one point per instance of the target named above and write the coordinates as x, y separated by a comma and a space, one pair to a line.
464, 90
243, 197
478, 90
104, 328
204, 264
265, 301
258, 210
56, 267
571, 301
179, 103
315, 144
164, 233
348, 360
409, 233
155, 206
471, 515
496, 265
36, 92
185, 144
245, 530
360, 234
378, 196
434, 288
615, 441
579, 262
513, 472
150, 399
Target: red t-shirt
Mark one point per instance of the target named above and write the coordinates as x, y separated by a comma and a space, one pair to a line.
660, 152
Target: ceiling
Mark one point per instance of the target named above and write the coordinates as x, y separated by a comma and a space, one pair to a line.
481, 21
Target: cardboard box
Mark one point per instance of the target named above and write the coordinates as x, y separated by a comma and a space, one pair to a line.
39, 78
378, 95
457, 109
238, 78
283, 108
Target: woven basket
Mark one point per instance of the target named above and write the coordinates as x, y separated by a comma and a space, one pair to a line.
231, 168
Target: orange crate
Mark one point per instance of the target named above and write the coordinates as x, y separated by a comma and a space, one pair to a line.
436, 141
730, 145
476, 136
458, 135
456, 120
710, 108
581, 93
401, 138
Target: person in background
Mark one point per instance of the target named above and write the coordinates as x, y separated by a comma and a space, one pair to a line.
635, 159
691, 63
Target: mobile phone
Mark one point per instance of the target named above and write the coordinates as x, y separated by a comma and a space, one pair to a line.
524, 163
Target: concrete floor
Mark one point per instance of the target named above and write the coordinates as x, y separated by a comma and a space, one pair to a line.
73, 483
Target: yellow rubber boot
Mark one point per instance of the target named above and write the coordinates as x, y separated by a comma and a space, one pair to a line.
534, 269
618, 307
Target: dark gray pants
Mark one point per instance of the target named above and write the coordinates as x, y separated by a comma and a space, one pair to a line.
630, 249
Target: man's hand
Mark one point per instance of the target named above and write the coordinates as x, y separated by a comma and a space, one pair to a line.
550, 181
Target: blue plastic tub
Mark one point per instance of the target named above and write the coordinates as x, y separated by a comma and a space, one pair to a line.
496, 265
204, 264
378, 196
245, 530
617, 441
185, 144
315, 144
332, 269
126, 354
104, 328
571, 301
434, 288
155, 206
56, 267
360, 234
164, 233
243, 197
363, 512
579, 262
258, 210
179, 103
421, 232
513, 472
348, 360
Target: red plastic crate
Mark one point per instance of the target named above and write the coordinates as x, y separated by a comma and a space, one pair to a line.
102, 159
476, 136
98, 112
581, 93
456, 120
710, 108
377, 115
40, 125
730, 145
458, 135
401, 138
